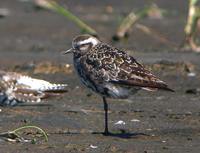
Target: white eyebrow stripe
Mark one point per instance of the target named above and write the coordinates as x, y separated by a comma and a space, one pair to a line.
89, 40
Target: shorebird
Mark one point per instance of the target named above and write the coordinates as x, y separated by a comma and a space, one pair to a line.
110, 72
16, 88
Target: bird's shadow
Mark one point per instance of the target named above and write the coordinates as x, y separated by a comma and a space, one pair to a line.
122, 134
119, 134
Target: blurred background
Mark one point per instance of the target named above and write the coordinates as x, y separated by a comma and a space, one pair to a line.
161, 34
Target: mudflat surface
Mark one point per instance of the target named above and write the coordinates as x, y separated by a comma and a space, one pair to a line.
160, 122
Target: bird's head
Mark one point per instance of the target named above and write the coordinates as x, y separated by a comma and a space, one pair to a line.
82, 44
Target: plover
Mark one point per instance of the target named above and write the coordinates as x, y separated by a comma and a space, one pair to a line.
16, 88
110, 72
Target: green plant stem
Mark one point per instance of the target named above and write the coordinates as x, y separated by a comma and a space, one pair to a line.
30, 126
130, 20
191, 26
61, 10
193, 16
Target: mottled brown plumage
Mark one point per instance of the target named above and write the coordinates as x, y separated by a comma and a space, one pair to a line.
109, 71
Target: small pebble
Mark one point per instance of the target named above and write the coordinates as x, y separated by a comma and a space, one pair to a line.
160, 98
120, 123
93, 147
67, 65
149, 129
135, 120
191, 74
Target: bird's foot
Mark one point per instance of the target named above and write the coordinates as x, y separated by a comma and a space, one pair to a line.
106, 133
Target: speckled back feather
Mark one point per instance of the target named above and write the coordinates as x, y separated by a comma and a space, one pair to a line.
110, 64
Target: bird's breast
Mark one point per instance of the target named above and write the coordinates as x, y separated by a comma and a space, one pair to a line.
83, 75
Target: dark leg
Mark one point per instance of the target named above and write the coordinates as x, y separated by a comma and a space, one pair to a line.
106, 132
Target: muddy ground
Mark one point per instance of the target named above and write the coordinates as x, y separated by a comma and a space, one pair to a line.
160, 122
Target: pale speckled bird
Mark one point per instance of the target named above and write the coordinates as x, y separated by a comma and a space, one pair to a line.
110, 72
16, 88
